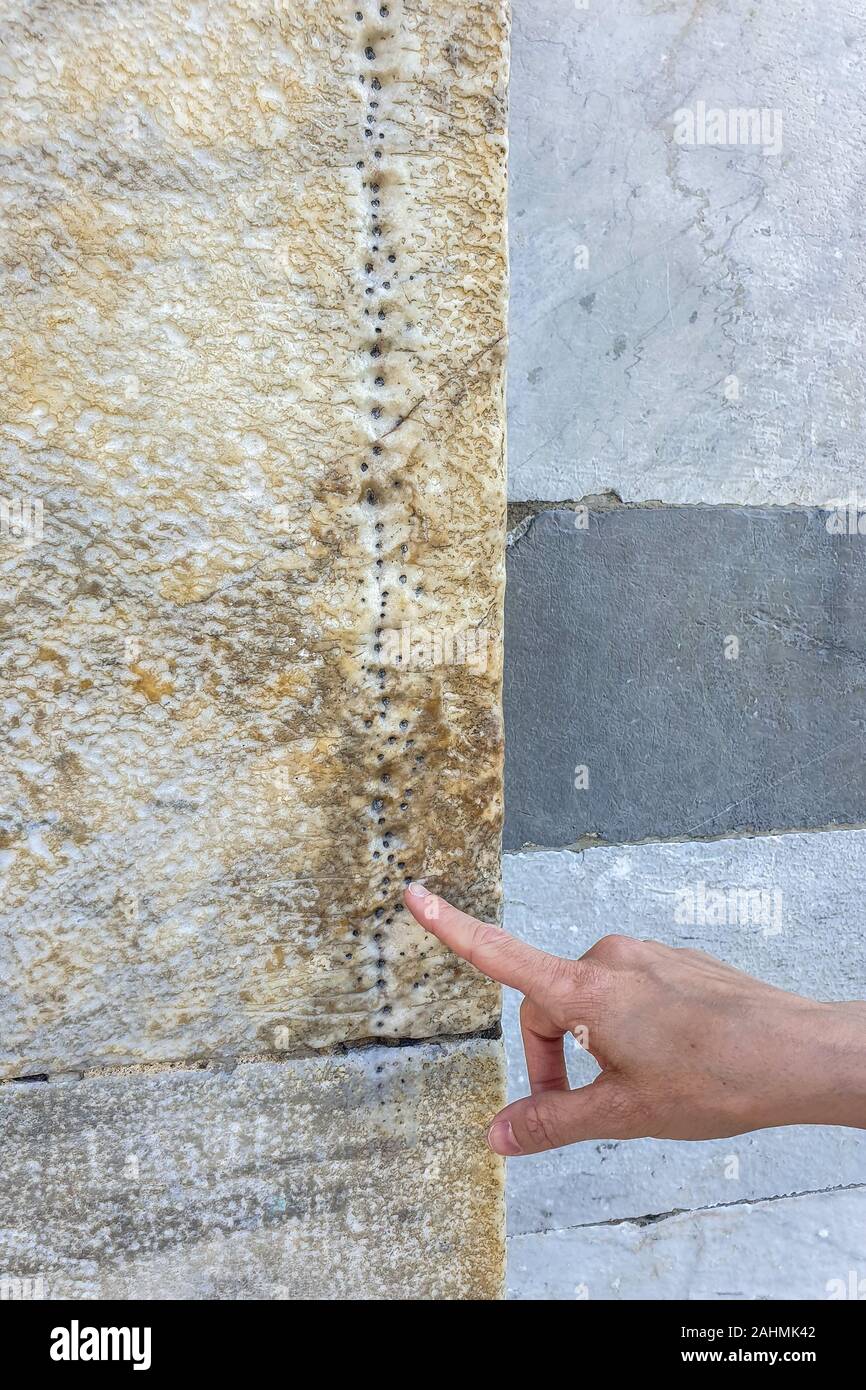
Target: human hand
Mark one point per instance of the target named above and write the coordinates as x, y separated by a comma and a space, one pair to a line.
689, 1047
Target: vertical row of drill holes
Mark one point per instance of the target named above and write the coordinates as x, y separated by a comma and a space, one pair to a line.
377, 349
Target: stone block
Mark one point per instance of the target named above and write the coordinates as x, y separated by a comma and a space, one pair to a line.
251, 356
686, 316
683, 673
365, 1176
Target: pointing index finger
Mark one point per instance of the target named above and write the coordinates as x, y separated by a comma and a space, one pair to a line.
490, 949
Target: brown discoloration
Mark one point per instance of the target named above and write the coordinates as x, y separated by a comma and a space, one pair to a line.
149, 685
243, 480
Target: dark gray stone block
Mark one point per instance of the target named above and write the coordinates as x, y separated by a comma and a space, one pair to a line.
621, 658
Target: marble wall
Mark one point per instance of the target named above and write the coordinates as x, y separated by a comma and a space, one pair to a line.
685, 673
252, 324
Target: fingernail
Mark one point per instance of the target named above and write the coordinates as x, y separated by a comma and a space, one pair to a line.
418, 890
500, 1137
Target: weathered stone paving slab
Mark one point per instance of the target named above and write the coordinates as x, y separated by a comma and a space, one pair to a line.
683, 672
364, 1176
251, 323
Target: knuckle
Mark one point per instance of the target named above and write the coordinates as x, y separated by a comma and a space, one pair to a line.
488, 935
540, 1130
585, 993
563, 977
485, 938
617, 950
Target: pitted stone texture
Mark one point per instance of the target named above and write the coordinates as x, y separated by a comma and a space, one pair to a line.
811, 939
809, 1248
710, 350
253, 373
683, 672
364, 1176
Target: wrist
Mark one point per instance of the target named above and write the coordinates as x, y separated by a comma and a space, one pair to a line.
832, 1048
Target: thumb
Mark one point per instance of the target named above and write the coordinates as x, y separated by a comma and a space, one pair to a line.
601, 1110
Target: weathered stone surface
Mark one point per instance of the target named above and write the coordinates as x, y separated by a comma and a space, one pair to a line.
806, 935
364, 1176
703, 670
808, 1248
707, 345
251, 324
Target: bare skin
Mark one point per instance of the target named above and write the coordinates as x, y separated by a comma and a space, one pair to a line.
689, 1047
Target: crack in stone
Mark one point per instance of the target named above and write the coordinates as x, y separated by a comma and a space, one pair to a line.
653, 1218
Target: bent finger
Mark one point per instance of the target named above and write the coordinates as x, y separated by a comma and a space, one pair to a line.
555, 1118
543, 1049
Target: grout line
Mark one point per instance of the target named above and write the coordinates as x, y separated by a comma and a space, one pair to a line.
596, 842
223, 1062
609, 500
521, 515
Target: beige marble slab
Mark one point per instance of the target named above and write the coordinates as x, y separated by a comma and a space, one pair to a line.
365, 1176
252, 421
